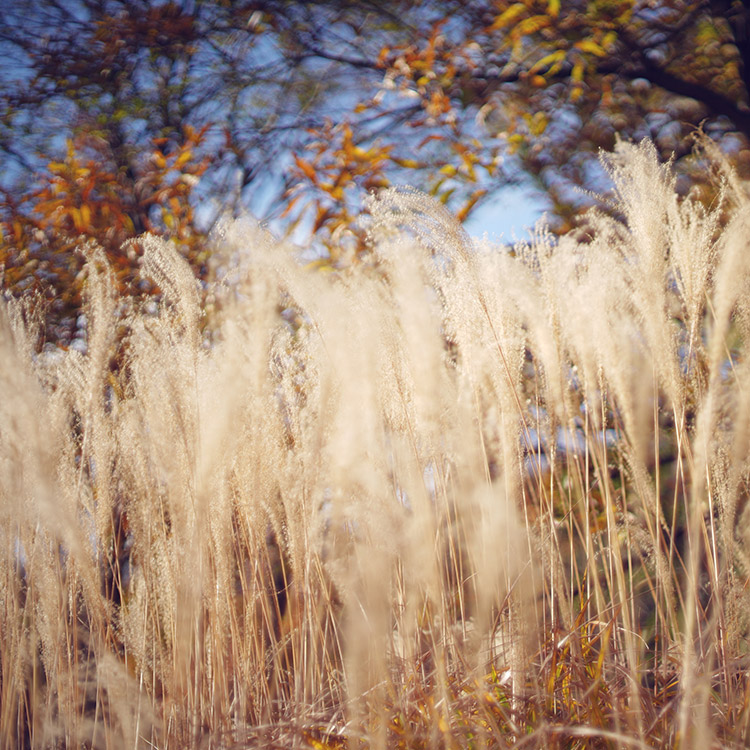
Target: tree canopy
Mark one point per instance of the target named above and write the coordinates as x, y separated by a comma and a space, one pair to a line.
124, 116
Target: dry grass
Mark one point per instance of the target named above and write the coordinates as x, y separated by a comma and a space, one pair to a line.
451, 497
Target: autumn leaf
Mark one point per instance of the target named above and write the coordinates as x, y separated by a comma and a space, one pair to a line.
508, 16
307, 168
466, 209
553, 62
589, 45
531, 25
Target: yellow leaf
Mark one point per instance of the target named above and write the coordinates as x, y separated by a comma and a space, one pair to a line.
408, 163
76, 216
320, 264
609, 39
589, 45
184, 158
553, 8
625, 17
538, 123
553, 61
508, 16
707, 32
515, 142
316, 744
448, 169
577, 73
531, 25
86, 215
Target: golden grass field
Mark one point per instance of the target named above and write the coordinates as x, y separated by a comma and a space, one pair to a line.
451, 496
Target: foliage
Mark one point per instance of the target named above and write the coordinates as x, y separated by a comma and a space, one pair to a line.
150, 98
295, 110
85, 199
542, 86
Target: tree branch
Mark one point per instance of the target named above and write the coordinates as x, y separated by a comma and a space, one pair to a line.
716, 103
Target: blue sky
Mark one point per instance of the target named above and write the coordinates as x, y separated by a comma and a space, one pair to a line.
508, 215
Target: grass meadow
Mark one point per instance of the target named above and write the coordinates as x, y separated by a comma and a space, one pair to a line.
450, 496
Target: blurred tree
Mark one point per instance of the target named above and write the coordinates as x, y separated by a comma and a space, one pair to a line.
482, 90
86, 197
117, 116
121, 116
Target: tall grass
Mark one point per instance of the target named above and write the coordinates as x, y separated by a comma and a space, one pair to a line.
453, 496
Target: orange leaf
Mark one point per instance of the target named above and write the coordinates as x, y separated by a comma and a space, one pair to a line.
323, 215
307, 168
429, 138
290, 206
470, 203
